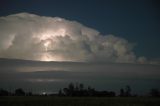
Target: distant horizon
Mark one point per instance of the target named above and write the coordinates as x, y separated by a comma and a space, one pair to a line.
51, 76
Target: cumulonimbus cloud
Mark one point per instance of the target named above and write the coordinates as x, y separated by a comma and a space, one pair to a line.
33, 37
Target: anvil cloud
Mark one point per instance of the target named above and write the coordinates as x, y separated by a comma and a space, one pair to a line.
33, 37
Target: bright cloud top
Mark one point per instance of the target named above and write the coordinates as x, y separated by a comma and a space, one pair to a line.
33, 37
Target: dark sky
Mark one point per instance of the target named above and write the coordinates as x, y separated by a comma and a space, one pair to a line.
135, 20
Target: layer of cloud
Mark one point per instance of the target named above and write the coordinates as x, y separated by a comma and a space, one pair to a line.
33, 37
51, 76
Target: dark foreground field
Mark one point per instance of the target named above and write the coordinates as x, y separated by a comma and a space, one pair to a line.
77, 101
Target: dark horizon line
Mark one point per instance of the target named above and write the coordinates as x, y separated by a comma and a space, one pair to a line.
85, 62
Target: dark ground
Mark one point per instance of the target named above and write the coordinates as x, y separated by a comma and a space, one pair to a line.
77, 101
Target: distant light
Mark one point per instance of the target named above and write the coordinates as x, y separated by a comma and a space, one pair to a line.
44, 93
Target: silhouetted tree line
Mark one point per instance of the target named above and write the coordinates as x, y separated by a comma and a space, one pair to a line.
125, 92
18, 92
79, 90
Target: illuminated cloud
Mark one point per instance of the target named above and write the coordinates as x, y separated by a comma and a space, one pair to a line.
33, 37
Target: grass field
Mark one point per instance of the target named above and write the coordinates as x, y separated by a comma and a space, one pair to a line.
77, 101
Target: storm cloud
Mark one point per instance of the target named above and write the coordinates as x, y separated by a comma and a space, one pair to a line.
33, 37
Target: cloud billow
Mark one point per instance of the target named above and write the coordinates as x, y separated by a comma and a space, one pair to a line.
33, 37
